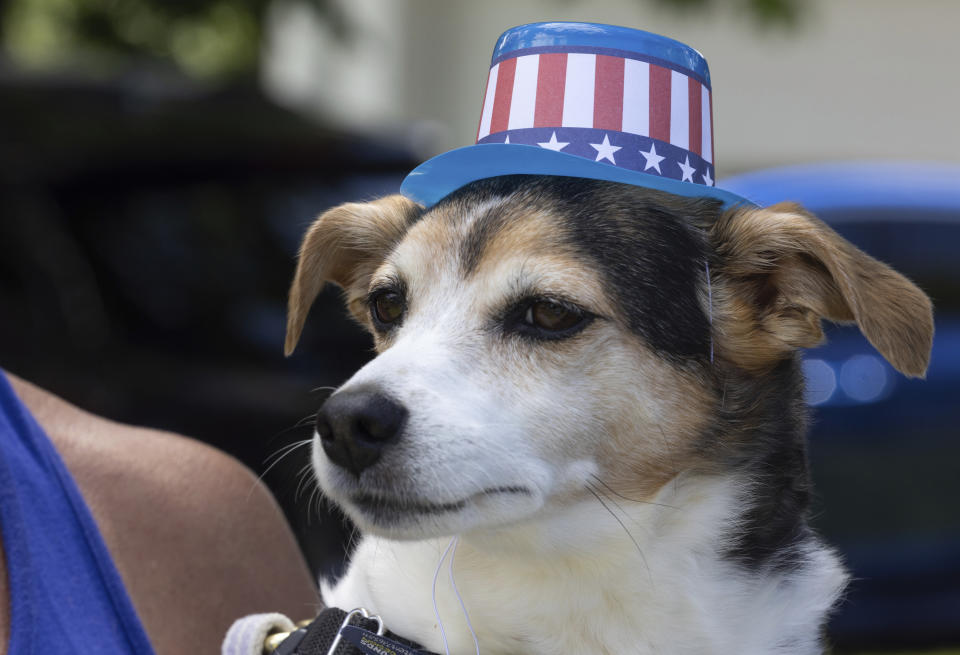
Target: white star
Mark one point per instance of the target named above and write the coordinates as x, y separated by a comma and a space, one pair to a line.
605, 150
687, 169
507, 140
553, 144
653, 159
706, 178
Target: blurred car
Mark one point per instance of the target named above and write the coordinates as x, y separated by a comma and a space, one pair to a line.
884, 449
148, 240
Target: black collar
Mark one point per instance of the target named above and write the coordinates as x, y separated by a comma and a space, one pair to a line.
361, 628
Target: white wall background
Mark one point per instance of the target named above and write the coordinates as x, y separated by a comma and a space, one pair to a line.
857, 79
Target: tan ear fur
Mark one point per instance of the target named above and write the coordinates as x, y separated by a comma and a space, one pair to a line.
345, 246
782, 270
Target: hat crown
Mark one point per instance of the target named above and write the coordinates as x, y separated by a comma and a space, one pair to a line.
574, 36
620, 96
592, 101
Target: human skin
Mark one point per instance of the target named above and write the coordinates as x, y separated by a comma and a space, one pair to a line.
213, 547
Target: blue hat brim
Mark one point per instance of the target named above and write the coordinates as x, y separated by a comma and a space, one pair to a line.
440, 176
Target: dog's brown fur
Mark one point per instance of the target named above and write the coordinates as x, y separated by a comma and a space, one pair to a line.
782, 271
345, 246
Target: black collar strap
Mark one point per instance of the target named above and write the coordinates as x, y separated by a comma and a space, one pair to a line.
360, 634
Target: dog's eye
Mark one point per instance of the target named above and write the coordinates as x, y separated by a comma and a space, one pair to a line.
547, 319
387, 308
550, 316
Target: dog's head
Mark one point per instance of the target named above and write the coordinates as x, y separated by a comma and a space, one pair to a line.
539, 337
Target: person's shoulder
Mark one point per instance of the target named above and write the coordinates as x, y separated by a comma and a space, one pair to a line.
198, 540
167, 470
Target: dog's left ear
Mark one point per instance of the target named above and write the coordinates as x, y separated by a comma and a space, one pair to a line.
782, 270
345, 246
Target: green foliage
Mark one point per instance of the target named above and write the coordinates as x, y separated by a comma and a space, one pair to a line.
204, 38
766, 13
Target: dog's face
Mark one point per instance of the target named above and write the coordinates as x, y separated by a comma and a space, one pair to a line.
541, 339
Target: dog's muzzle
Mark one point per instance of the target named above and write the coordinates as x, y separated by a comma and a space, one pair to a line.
356, 426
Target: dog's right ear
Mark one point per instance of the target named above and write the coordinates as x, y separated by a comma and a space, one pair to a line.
345, 246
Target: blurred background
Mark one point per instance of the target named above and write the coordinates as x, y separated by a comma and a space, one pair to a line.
160, 160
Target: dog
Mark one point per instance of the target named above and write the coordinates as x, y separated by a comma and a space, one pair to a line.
597, 387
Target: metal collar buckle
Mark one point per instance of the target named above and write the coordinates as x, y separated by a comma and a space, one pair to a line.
360, 611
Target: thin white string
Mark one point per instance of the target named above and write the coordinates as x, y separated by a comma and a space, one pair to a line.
454, 542
453, 583
436, 610
710, 307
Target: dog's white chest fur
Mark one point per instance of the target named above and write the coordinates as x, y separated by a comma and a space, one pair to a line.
577, 583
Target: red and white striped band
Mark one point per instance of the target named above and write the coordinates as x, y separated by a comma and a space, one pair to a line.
599, 91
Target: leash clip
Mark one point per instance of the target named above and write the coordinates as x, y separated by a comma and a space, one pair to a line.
360, 611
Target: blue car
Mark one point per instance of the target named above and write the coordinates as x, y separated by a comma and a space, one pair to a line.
884, 450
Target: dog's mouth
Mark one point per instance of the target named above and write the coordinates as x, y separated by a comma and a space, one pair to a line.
386, 510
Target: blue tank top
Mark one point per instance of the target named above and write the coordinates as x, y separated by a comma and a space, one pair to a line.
65, 593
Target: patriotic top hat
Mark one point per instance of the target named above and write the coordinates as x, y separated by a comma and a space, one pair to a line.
586, 100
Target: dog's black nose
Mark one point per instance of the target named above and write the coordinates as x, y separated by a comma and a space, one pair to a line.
355, 426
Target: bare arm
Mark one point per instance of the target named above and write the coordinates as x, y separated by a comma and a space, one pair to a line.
197, 539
